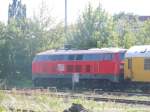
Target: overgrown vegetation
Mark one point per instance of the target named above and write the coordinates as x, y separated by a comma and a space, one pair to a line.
47, 103
20, 40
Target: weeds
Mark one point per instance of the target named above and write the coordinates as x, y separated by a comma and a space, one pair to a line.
46, 103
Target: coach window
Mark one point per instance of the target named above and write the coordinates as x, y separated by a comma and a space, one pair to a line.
129, 63
79, 57
147, 64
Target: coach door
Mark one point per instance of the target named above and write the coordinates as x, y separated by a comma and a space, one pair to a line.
130, 68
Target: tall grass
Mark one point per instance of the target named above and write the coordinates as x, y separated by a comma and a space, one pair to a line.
45, 103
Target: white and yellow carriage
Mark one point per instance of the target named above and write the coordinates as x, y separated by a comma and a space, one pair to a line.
137, 64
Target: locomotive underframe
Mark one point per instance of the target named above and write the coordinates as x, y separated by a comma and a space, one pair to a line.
105, 82
85, 80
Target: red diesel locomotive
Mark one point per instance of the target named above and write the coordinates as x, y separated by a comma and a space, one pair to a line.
57, 67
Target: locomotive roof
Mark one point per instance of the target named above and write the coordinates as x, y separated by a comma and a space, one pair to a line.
138, 51
89, 51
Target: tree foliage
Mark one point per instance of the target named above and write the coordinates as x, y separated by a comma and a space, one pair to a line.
94, 28
127, 26
20, 40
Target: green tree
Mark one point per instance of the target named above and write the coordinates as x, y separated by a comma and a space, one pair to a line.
50, 33
144, 33
126, 26
3, 52
94, 28
20, 40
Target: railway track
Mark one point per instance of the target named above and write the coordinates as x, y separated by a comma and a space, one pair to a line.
100, 96
115, 100
119, 93
11, 109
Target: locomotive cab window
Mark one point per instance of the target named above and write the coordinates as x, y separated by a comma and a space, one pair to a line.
147, 64
36, 58
122, 56
41, 58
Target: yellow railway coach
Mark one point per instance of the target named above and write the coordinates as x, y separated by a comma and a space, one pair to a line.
137, 64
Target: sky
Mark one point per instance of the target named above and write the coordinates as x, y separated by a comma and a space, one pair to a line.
76, 7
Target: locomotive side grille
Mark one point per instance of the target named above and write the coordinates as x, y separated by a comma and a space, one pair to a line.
78, 68
69, 68
88, 68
